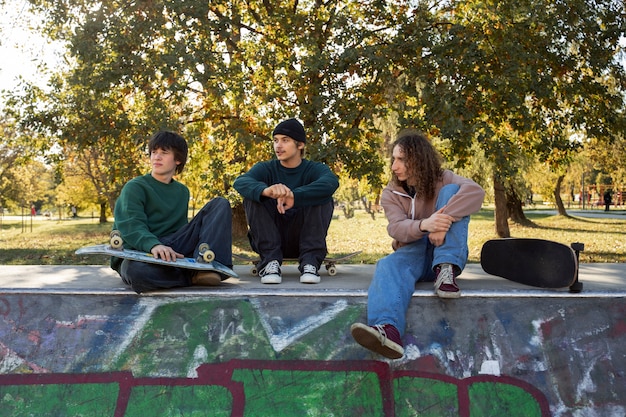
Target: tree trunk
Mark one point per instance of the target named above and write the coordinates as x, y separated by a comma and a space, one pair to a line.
560, 208
515, 208
103, 212
501, 214
368, 207
240, 223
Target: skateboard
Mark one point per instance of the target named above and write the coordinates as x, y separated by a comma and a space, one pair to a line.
329, 263
536, 262
205, 262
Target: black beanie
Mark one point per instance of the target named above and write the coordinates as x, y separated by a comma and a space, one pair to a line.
291, 128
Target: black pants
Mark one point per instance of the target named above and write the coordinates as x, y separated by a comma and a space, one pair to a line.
212, 225
299, 233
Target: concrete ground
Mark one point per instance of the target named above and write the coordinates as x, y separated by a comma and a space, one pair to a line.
599, 280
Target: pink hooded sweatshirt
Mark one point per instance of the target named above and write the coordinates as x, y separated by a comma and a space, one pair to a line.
405, 213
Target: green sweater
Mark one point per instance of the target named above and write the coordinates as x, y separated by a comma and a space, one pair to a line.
148, 209
312, 183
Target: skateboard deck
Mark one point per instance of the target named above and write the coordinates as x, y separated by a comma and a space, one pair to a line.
329, 263
188, 263
536, 262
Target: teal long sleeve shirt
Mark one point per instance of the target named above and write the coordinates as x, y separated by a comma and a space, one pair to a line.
312, 183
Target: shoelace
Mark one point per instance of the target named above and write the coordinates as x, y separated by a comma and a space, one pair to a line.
271, 268
445, 276
309, 269
381, 330
448, 276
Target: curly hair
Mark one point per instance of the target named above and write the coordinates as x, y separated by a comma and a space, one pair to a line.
423, 163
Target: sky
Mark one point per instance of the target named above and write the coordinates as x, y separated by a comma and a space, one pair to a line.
20, 48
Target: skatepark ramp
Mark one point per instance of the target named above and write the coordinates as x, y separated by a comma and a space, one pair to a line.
75, 342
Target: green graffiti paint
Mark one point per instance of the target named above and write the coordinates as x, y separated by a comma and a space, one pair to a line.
328, 341
425, 397
285, 393
190, 401
184, 335
490, 399
85, 400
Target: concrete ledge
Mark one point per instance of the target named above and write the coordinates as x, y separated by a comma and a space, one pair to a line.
75, 341
599, 280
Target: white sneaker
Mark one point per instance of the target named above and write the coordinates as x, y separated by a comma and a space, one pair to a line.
270, 274
309, 275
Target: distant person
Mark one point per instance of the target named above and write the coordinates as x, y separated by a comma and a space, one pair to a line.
428, 211
289, 206
608, 199
151, 215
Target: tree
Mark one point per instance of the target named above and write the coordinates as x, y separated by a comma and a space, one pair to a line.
514, 79
18, 185
31, 184
101, 134
609, 159
8, 156
230, 70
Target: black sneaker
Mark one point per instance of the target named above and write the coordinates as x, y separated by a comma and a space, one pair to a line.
309, 275
270, 274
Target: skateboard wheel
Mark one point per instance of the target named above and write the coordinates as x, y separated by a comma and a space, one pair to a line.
116, 240
208, 255
332, 270
254, 270
576, 287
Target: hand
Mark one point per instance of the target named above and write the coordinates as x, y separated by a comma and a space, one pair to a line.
437, 222
166, 253
284, 203
437, 238
277, 191
283, 195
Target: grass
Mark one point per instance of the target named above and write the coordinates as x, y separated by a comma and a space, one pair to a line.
53, 242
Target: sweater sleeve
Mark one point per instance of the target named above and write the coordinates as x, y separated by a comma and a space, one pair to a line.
467, 200
252, 183
401, 227
405, 214
318, 188
312, 183
131, 218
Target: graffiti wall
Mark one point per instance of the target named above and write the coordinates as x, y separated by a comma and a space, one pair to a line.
99, 355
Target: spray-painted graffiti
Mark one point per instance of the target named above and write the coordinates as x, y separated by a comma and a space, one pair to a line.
280, 356
279, 388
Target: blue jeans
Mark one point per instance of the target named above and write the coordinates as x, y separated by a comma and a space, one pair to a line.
395, 275
212, 225
299, 233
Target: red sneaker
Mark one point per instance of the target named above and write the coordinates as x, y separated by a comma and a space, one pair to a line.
383, 339
445, 284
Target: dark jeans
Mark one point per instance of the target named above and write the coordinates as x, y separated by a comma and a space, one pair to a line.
299, 233
212, 225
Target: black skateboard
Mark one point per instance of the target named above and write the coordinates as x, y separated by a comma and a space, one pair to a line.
535, 262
